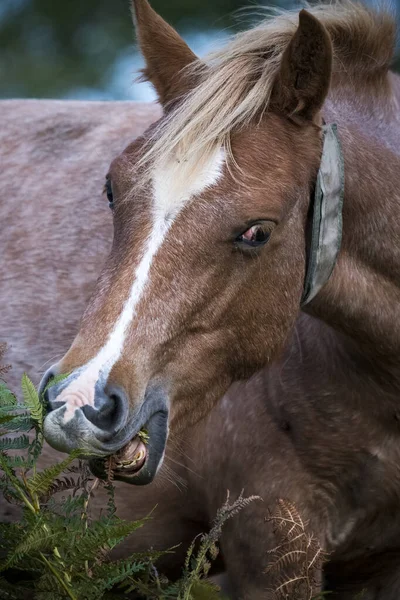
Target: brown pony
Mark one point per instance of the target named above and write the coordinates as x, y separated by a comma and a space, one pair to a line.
212, 210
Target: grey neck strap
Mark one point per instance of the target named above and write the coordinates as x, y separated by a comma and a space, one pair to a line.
326, 216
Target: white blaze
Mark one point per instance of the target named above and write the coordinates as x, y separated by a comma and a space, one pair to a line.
174, 185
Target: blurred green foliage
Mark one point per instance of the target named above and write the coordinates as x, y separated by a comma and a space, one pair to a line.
48, 47
52, 48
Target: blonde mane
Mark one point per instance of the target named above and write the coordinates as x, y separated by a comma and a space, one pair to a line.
234, 84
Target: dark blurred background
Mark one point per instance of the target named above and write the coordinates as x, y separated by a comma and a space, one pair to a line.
84, 49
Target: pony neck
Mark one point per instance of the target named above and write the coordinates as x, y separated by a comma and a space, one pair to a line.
362, 298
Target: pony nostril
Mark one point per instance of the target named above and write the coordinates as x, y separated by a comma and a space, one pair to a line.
110, 411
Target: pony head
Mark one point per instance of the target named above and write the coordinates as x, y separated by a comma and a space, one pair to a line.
205, 277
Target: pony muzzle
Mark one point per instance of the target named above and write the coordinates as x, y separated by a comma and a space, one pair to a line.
127, 443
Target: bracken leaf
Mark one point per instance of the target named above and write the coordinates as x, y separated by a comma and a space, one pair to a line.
7, 398
42, 482
32, 401
16, 443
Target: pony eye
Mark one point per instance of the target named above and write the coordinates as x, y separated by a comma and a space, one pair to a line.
257, 235
109, 192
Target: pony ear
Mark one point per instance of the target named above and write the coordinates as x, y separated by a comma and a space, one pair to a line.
165, 53
305, 72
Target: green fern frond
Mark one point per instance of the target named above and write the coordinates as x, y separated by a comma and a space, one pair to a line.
7, 398
20, 422
36, 447
118, 531
19, 462
197, 565
151, 555
32, 401
41, 482
49, 588
10, 534
39, 539
103, 535
108, 576
189, 554
8, 490
73, 504
16, 443
60, 550
6, 419
56, 379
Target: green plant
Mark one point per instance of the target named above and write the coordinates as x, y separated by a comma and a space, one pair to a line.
203, 551
56, 550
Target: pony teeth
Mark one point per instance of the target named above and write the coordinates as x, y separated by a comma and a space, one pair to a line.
127, 464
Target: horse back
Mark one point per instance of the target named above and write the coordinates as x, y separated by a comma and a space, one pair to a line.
56, 225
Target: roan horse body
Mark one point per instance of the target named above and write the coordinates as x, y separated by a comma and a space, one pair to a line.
320, 425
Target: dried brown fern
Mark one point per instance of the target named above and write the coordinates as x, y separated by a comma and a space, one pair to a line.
296, 561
